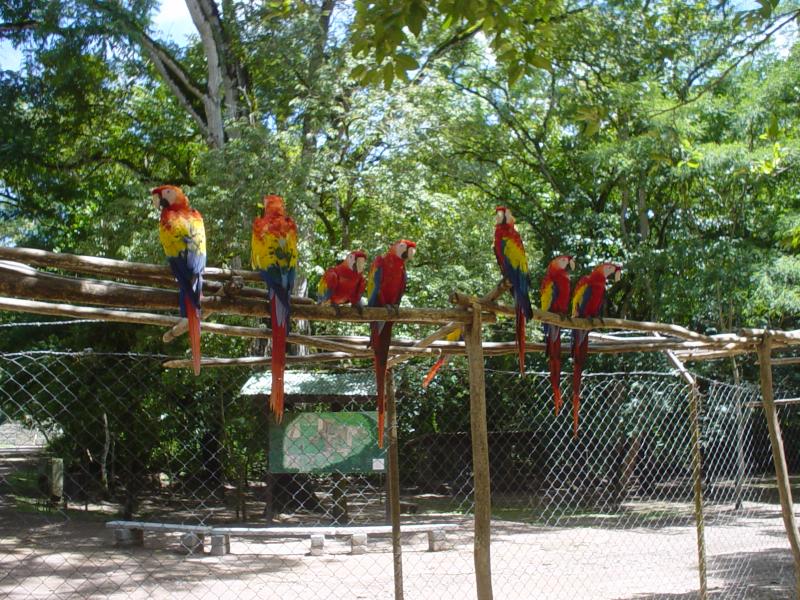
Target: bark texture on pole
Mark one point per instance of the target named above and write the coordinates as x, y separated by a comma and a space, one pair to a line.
480, 457
394, 486
697, 472
778, 454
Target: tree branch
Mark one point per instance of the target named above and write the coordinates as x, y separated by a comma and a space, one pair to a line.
17, 26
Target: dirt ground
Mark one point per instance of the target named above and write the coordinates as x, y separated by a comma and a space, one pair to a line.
58, 555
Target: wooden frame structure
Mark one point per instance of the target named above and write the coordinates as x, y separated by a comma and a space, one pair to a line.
128, 292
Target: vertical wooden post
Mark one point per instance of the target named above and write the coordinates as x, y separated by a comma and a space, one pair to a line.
394, 485
778, 455
697, 471
480, 456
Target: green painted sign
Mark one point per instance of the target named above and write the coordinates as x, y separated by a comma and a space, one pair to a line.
325, 442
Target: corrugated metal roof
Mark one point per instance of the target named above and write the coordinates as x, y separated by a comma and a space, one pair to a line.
309, 383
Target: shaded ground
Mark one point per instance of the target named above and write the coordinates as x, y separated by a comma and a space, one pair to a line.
644, 551
55, 555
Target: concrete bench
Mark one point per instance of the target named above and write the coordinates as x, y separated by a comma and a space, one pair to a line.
437, 538
192, 540
131, 533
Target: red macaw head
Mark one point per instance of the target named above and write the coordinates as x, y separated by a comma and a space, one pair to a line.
561, 263
168, 195
273, 205
404, 249
503, 216
357, 261
608, 269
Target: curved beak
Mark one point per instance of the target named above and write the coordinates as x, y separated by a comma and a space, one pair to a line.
618, 274
571, 263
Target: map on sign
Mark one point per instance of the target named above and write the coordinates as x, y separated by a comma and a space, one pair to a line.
324, 442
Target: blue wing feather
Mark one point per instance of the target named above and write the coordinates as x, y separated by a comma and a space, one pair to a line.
519, 283
374, 299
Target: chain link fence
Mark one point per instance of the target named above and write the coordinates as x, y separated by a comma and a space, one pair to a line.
89, 439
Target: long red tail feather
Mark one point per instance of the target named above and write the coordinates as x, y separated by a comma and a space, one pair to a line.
554, 359
433, 370
278, 363
380, 347
521, 339
194, 334
579, 360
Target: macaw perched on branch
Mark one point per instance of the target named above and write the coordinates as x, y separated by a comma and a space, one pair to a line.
454, 336
385, 287
345, 282
510, 254
274, 254
587, 303
555, 298
183, 237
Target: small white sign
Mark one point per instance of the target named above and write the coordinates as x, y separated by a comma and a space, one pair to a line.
377, 464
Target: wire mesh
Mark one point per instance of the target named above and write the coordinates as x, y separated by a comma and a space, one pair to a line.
86, 439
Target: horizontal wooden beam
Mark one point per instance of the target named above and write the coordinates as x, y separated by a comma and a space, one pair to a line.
26, 282
787, 360
258, 361
568, 322
95, 265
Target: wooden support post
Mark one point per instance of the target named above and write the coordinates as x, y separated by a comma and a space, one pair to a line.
394, 485
697, 472
778, 455
480, 456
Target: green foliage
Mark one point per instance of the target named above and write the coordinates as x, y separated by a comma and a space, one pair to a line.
520, 34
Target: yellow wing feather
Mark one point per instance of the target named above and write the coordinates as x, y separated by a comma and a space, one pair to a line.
547, 295
183, 232
577, 298
515, 254
269, 250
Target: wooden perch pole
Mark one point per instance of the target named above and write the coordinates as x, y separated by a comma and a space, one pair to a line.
26, 282
142, 318
443, 331
480, 457
778, 454
697, 471
258, 361
394, 485
788, 360
118, 269
578, 323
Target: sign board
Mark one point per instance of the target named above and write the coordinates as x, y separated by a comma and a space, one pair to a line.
324, 442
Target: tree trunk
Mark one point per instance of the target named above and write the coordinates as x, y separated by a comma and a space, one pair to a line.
644, 219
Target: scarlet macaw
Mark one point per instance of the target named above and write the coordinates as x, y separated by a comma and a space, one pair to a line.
453, 336
510, 254
345, 282
183, 237
555, 298
385, 287
274, 253
587, 302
